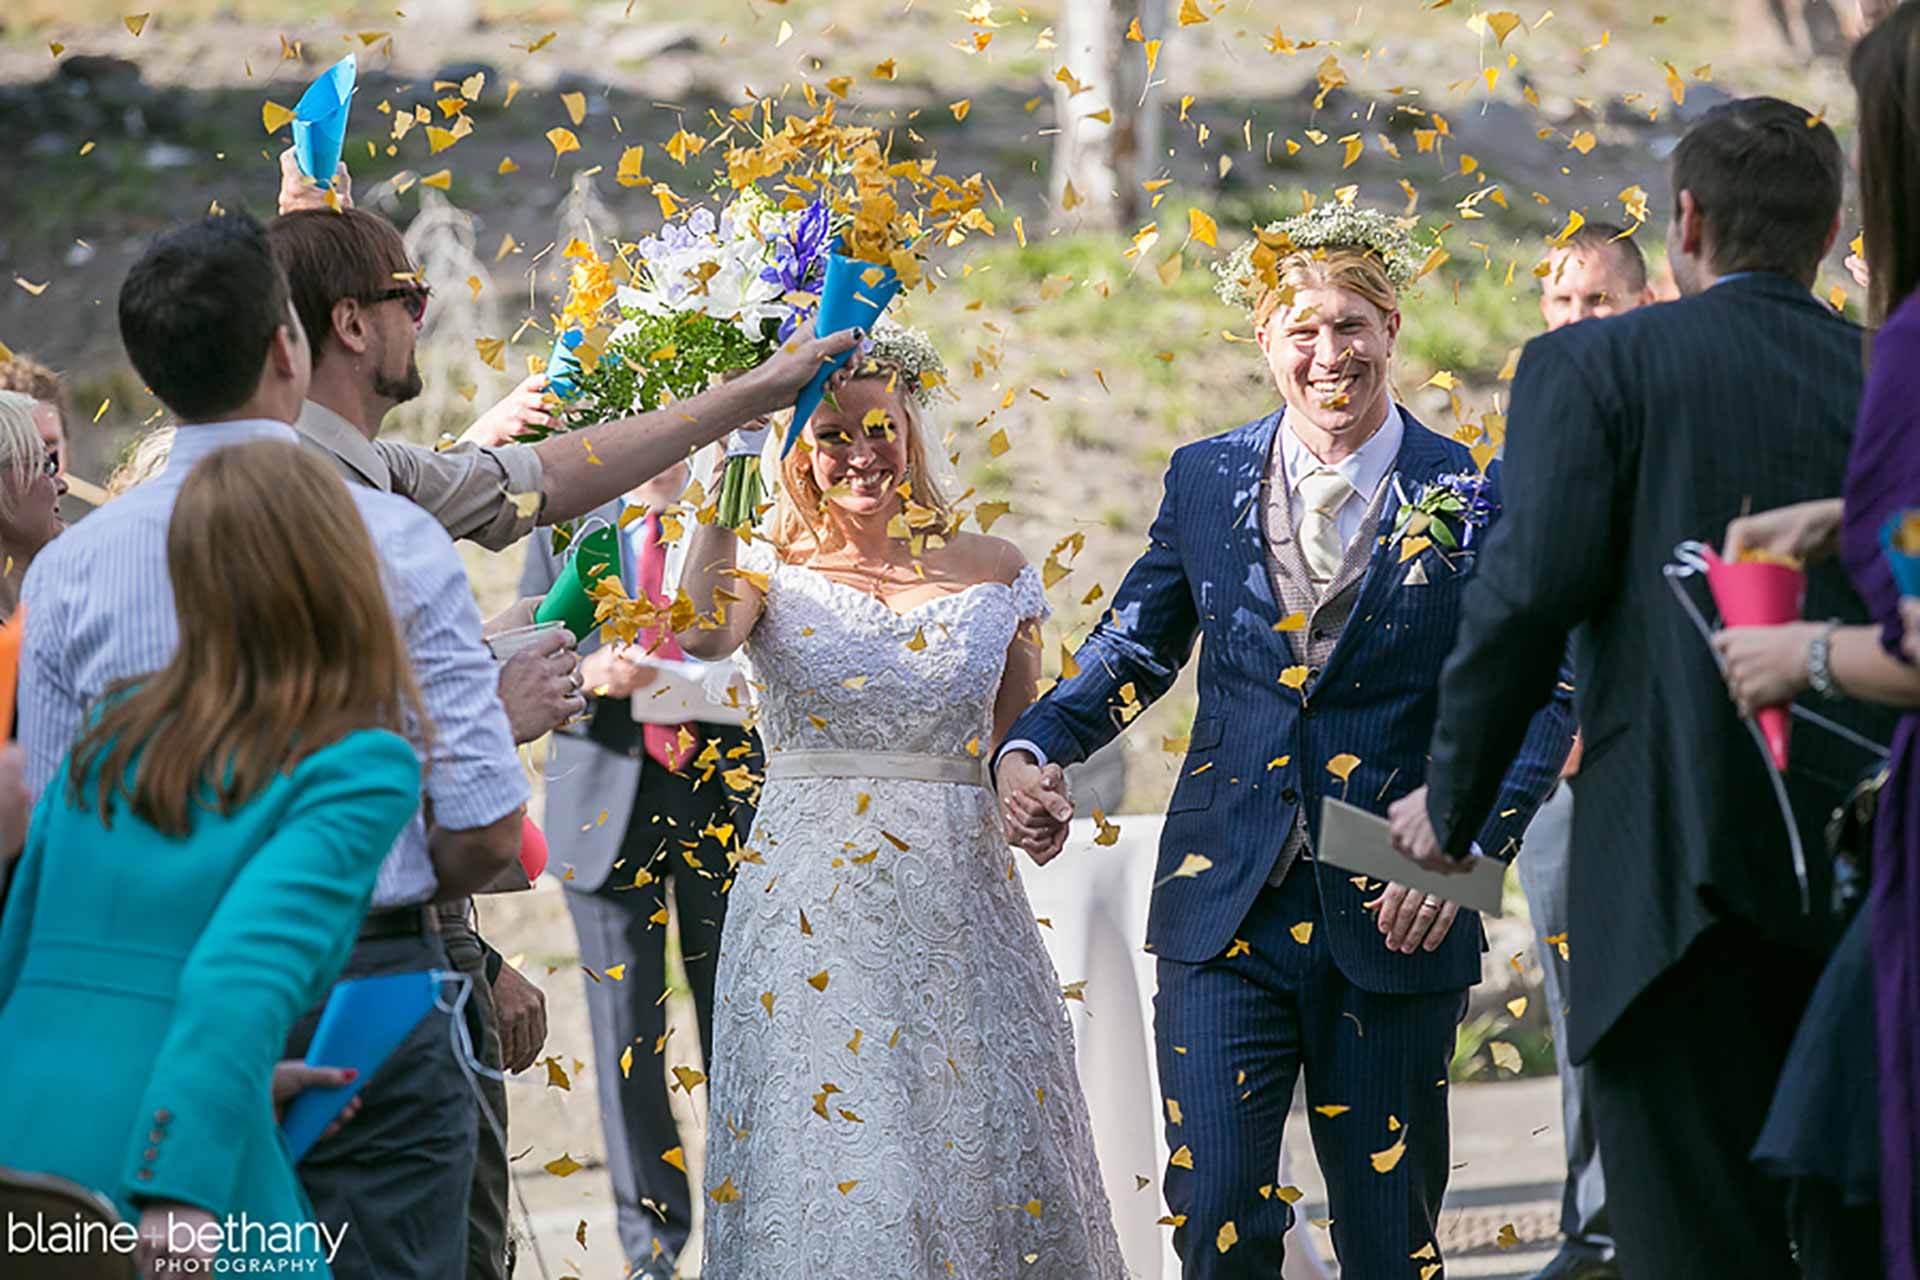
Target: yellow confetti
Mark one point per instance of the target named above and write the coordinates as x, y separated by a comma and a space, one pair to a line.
1290, 1195
492, 352
617, 972
1385, 1161
1294, 677
1333, 1109
1190, 14
1192, 865
848, 1185
1227, 1238
576, 105
35, 289
274, 117
562, 141
960, 108
1181, 1159
565, 1166
1302, 932
557, 1075
725, 1193
1583, 141
136, 23
1502, 24
626, 1063
998, 444
1173, 1111
884, 71
819, 981
1343, 765
1505, 1056
1201, 227
1517, 1006
442, 180
1507, 1237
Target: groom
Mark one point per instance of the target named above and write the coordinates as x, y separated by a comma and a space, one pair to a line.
1325, 626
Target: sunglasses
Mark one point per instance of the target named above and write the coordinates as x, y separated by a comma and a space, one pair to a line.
412, 296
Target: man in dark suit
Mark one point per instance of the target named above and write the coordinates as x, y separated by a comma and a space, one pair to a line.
631, 807
1325, 618
1692, 950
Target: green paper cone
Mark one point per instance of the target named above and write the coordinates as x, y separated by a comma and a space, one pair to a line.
595, 555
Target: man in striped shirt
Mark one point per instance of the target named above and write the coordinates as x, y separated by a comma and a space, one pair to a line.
207, 320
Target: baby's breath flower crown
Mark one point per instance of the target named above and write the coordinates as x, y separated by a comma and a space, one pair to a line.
1250, 270
911, 351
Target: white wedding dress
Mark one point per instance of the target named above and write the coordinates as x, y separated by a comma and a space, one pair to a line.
893, 1093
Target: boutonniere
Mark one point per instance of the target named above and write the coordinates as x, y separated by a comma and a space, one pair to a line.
1444, 512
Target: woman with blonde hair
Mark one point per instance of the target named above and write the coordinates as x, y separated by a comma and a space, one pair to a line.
196, 872
31, 487
893, 1070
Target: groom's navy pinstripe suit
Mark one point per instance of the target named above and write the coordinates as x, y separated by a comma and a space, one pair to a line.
1235, 1023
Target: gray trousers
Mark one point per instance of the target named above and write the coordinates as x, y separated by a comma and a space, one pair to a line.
399, 1173
490, 1245
1543, 877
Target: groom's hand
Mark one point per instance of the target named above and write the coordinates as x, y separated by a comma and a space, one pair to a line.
1034, 802
1410, 919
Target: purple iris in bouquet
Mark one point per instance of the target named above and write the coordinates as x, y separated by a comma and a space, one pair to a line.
801, 246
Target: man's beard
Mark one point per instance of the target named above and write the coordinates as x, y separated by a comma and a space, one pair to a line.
399, 390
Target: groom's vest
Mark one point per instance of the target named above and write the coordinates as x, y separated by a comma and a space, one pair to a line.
1325, 611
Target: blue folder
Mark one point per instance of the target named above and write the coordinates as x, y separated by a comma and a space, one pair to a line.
365, 1020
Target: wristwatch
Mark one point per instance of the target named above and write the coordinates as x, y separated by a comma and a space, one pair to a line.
1820, 664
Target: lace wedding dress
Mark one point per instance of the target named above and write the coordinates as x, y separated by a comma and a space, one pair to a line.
893, 1092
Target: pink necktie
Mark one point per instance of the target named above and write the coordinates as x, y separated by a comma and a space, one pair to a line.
664, 742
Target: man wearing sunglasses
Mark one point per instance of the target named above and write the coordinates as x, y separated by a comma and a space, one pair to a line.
362, 303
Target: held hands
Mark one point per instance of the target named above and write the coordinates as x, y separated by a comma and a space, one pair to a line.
1805, 531
298, 192
1766, 666
541, 686
524, 406
521, 1010
1035, 805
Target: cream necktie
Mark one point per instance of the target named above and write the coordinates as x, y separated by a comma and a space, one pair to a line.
1323, 491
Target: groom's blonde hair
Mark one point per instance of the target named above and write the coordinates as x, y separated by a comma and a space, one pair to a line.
800, 507
1358, 271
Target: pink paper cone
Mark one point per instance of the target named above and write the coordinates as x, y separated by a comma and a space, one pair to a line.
533, 850
1758, 594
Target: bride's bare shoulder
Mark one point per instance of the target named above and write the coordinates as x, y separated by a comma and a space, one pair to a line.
981, 557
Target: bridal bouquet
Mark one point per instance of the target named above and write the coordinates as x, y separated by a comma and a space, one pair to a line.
709, 295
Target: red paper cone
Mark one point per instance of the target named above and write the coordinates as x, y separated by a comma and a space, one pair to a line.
533, 850
1759, 594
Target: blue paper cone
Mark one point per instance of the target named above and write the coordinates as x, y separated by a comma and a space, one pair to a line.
1905, 567
320, 121
364, 1022
847, 301
563, 366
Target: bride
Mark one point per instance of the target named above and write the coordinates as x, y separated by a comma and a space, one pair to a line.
893, 1087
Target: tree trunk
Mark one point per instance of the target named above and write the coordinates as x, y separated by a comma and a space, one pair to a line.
1086, 177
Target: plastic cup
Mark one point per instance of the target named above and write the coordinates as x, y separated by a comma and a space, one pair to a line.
505, 644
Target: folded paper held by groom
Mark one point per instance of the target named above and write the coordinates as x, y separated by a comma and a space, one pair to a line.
1759, 593
1355, 840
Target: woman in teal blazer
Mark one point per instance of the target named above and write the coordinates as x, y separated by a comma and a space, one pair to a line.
195, 875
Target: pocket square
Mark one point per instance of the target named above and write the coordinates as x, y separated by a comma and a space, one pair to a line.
1416, 576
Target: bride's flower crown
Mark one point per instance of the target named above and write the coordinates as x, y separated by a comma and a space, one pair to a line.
912, 353
1325, 226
